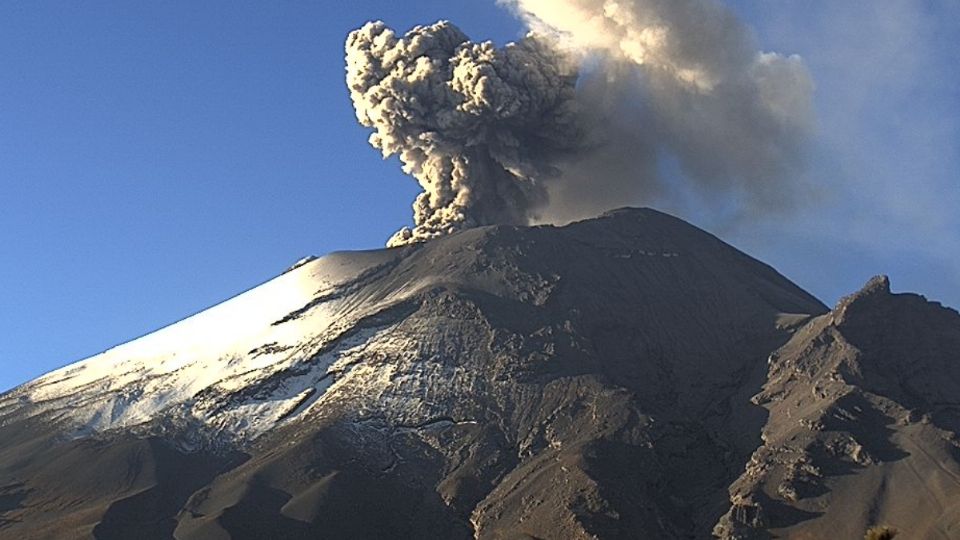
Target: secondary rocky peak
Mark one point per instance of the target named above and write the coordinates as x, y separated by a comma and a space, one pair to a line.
860, 398
868, 299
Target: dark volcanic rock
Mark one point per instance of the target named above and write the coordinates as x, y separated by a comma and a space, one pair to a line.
587, 381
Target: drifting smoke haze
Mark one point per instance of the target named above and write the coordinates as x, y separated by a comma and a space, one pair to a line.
582, 114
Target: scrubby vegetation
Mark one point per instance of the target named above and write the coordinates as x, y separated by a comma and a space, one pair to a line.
880, 533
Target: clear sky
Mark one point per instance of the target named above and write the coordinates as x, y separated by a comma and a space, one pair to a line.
159, 157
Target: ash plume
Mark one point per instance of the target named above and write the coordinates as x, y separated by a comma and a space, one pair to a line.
478, 126
683, 82
584, 114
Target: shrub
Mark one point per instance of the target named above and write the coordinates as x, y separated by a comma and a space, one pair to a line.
880, 532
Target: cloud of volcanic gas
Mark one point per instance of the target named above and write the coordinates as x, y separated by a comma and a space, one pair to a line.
479, 127
678, 81
586, 113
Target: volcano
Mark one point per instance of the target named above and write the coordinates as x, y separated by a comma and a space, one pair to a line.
629, 376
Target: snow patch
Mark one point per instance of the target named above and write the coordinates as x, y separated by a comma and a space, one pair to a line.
215, 354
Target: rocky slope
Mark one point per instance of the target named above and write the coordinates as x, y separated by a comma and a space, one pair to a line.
864, 416
608, 379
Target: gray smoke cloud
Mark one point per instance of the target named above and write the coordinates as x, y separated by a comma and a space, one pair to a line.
479, 127
584, 114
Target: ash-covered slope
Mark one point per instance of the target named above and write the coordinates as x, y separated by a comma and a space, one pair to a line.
593, 380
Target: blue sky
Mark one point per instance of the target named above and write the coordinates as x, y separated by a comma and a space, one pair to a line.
159, 157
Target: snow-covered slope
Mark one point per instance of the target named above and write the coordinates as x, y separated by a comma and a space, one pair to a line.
222, 350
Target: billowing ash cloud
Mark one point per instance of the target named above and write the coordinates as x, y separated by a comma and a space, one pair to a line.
479, 127
583, 115
680, 80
